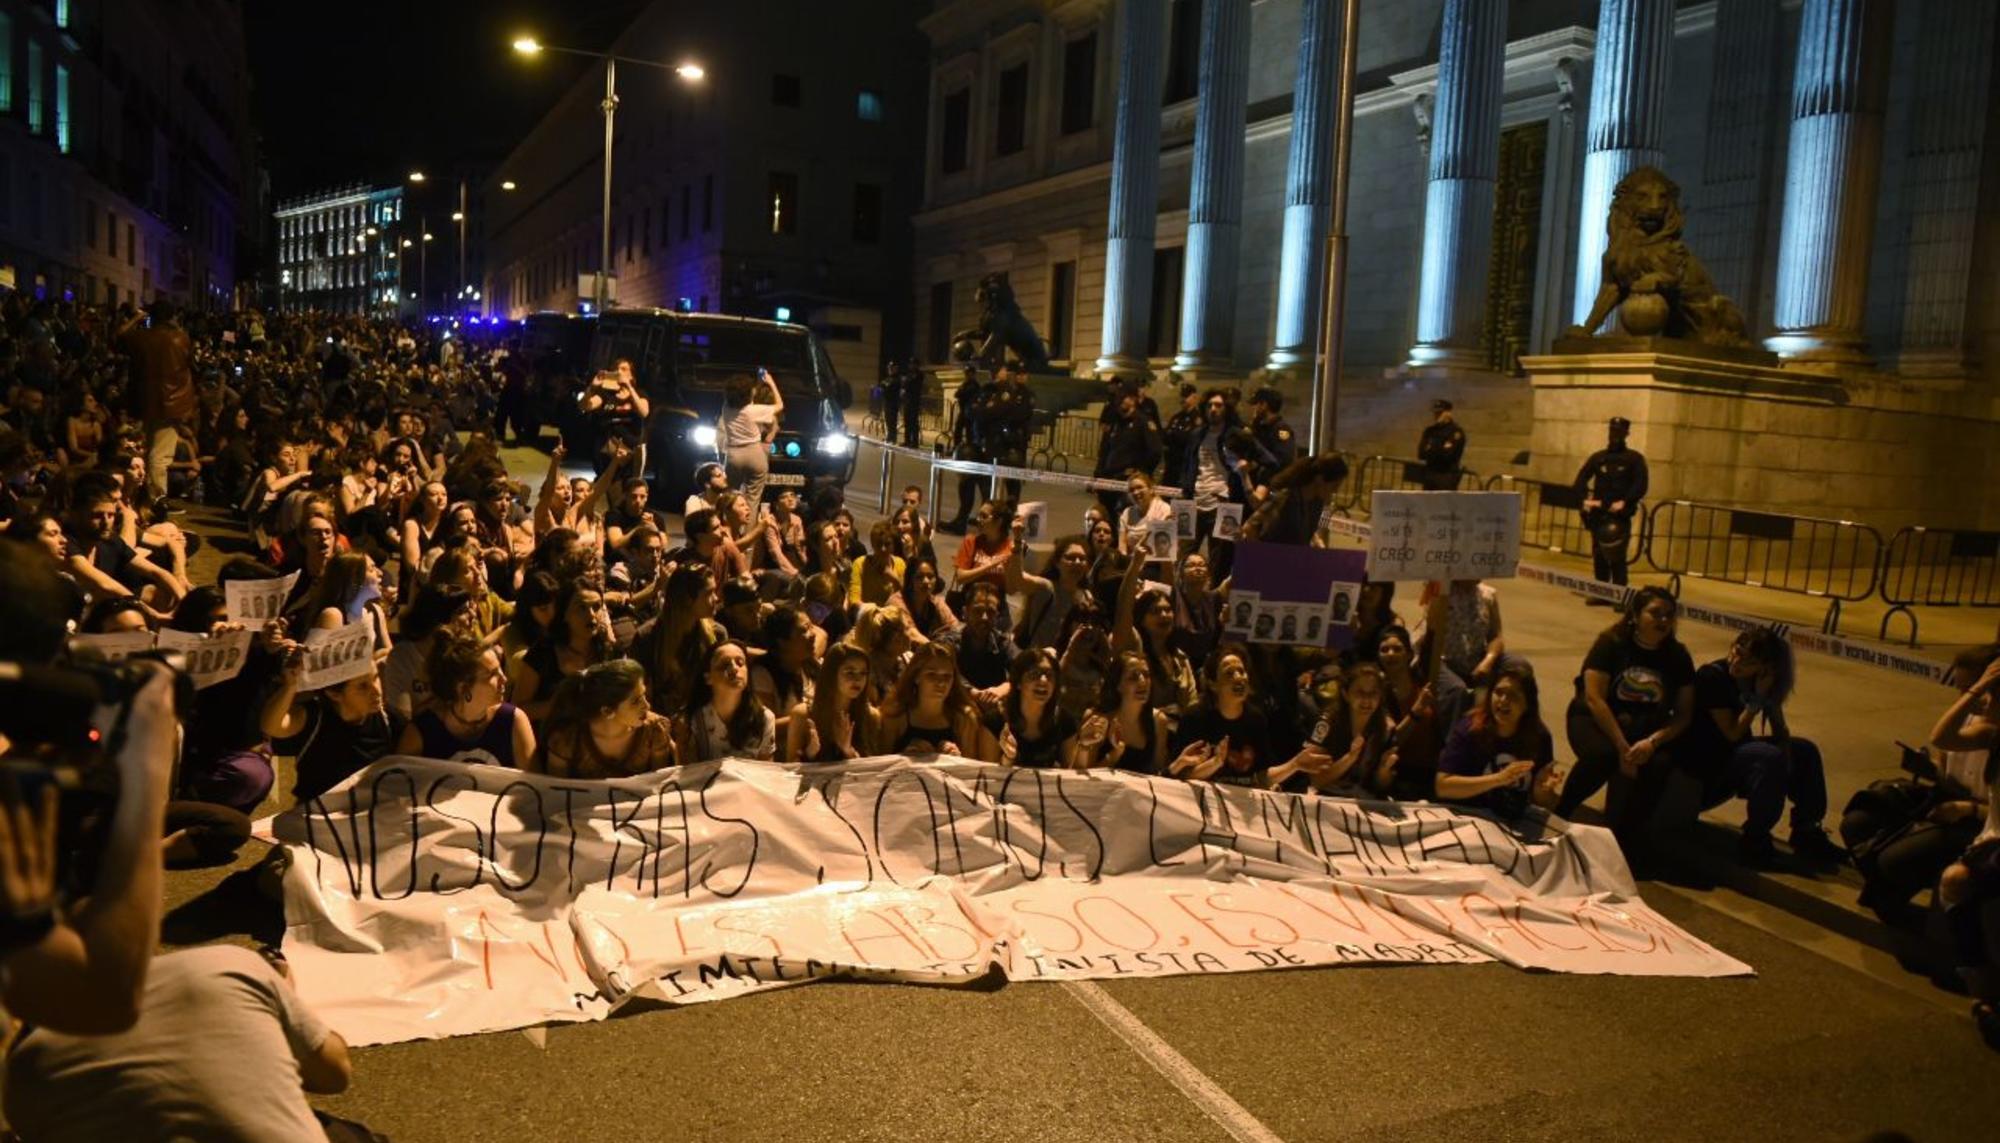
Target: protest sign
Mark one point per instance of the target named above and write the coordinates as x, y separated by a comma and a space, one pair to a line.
210, 659
1034, 521
1161, 542
1444, 535
1184, 517
337, 655
1241, 614
1228, 521
256, 601
426, 899
1292, 574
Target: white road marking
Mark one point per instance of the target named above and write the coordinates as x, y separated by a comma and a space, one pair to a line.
1205, 1093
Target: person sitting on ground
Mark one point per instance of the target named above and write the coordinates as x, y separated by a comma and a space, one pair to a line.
839, 720
877, 577
1226, 737
983, 554
1144, 622
1126, 731
1030, 729
331, 733
1350, 750
438, 608
469, 717
632, 512
349, 592
679, 642
929, 710
1047, 599
1727, 755
1501, 757
783, 676
726, 719
1970, 885
578, 636
923, 597
1147, 508
981, 648
1464, 625
600, 726
710, 482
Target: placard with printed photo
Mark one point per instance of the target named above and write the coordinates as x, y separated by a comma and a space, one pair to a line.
1184, 517
1240, 616
1228, 521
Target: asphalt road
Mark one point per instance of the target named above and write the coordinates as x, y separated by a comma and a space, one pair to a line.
1811, 1048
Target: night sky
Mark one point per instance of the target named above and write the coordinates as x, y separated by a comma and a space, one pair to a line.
369, 90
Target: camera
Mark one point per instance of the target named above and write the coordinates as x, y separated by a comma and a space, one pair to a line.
1918, 764
45, 714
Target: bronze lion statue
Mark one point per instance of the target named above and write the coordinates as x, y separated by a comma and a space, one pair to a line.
1657, 285
1002, 329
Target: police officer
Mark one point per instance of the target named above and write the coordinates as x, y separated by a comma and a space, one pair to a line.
1440, 448
1610, 485
968, 442
892, 400
912, 390
1010, 421
1269, 426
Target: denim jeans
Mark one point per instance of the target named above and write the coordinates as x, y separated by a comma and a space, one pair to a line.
1767, 773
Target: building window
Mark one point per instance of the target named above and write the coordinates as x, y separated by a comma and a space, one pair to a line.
784, 89
1062, 307
784, 200
34, 87
1183, 50
954, 148
6, 62
110, 234
62, 13
939, 347
1010, 132
62, 109
707, 203
868, 106
90, 225
131, 245
867, 212
1079, 84
1163, 332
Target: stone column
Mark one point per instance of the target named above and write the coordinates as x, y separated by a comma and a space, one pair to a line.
1308, 189
1628, 95
1736, 159
1831, 171
1135, 179
1215, 198
1458, 203
1954, 78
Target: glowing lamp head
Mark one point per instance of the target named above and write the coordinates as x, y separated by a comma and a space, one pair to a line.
527, 45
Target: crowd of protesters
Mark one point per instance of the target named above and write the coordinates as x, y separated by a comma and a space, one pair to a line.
578, 629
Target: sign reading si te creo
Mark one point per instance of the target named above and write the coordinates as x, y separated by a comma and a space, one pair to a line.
430, 899
1444, 535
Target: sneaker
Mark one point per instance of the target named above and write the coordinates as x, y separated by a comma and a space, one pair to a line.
1756, 850
1812, 844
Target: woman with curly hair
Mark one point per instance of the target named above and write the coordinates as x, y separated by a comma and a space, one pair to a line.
600, 726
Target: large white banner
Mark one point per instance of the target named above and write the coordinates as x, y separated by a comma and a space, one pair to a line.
430, 899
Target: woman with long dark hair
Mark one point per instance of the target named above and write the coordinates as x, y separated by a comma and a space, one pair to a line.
681, 639
1048, 599
838, 722
929, 711
600, 726
577, 638
1500, 757
783, 677
1144, 622
725, 719
1226, 737
1031, 729
923, 597
1350, 749
1126, 731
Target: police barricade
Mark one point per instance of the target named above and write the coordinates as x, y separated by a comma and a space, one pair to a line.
1066, 442
1387, 473
1938, 567
995, 474
1836, 560
1551, 514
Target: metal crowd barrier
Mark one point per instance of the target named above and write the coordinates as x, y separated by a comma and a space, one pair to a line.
1551, 514
1388, 474
1068, 442
1938, 567
995, 474
1836, 560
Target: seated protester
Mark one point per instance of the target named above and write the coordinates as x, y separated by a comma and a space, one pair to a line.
1420, 713
1030, 729
1905, 835
223, 760
635, 581
1225, 738
600, 726
826, 605
458, 566
782, 546
1107, 563
1971, 884
923, 597
880, 574
1350, 749
1634, 698
1047, 599
578, 637
850, 539
439, 610
469, 718
632, 512
504, 546
350, 591
114, 615
223, 1049
44, 535
575, 504
1146, 509
1126, 731
105, 565
1500, 757
708, 543
984, 552
742, 610
677, 645
1197, 608
782, 677
912, 538
1085, 660
838, 720
1723, 750
884, 633
332, 733
1464, 626
710, 482
534, 611
726, 720
982, 650
1144, 622
929, 710
1374, 612
311, 542
827, 552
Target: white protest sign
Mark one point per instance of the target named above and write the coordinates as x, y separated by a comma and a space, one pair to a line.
1341, 599
1241, 614
337, 655
257, 601
113, 644
1184, 519
211, 659
1161, 542
1228, 521
1034, 520
716, 880
1444, 535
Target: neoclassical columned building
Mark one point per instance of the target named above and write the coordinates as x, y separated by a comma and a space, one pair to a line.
1154, 178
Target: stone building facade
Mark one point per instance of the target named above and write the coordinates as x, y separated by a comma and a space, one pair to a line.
1838, 161
338, 251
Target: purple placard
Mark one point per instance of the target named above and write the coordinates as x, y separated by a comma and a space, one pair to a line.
1293, 573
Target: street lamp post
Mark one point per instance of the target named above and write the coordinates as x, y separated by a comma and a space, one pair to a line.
687, 71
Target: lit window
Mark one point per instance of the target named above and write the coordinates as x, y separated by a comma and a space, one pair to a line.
784, 199
62, 13
34, 87
868, 106
62, 109
6, 62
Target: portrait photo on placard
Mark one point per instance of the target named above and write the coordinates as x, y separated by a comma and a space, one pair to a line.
1034, 520
1265, 627
1160, 541
1242, 613
1184, 517
1228, 521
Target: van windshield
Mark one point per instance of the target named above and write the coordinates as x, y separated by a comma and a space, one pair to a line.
706, 356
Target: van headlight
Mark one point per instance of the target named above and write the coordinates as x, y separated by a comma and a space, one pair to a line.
836, 444
703, 436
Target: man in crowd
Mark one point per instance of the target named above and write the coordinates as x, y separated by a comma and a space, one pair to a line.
983, 648
162, 379
911, 389
891, 390
1440, 448
1611, 484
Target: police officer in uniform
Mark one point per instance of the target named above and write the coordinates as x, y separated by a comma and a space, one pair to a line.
1010, 421
968, 442
1610, 485
1269, 426
1440, 448
892, 400
912, 390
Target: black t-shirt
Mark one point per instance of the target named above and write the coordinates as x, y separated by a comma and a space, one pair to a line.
1044, 752
329, 749
1249, 735
1703, 749
1644, 683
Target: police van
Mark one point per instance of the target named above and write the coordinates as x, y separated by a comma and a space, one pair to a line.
683, 363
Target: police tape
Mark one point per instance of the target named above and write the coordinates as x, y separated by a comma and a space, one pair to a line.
1814, 642
1009, 472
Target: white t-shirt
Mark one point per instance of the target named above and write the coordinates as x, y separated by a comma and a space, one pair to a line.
711, 738
745, 426
215, 1055
1132, 527
1211, 479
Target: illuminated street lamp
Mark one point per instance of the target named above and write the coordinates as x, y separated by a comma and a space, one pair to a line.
687, 70
507, 185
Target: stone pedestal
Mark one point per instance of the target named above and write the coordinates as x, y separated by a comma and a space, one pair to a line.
1718, 428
